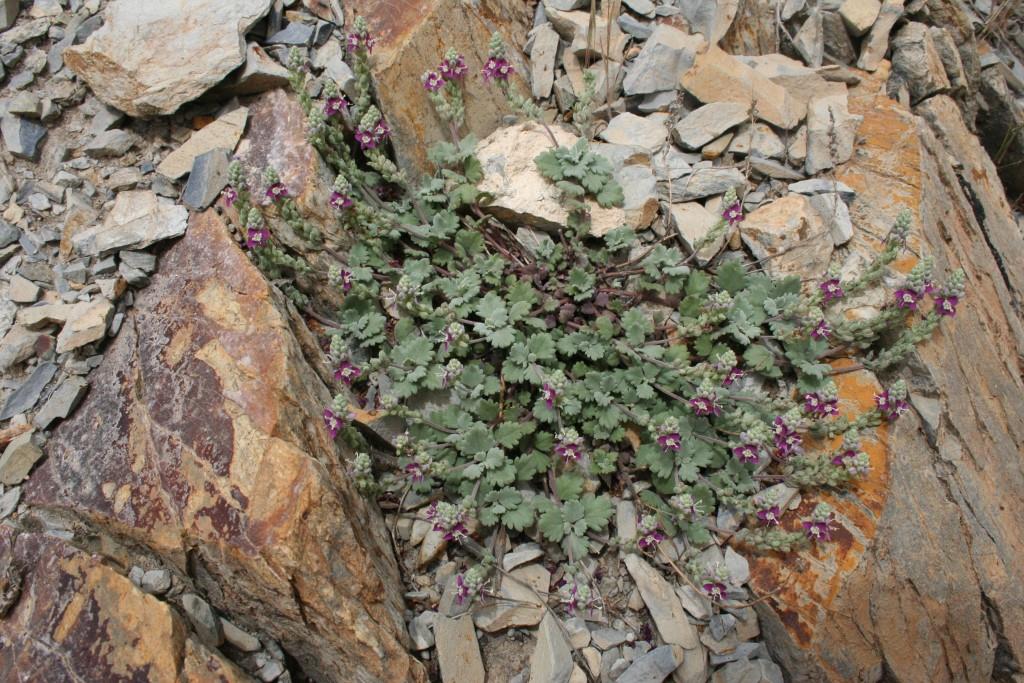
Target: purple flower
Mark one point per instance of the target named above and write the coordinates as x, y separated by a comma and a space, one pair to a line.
822, 330
770, 515
907, 298
463, 590
230, 195
831, 290
381, 131
365, 139
818, 406
277, 192
497, 68
361, 40
818, 531
452, 69
704, 406
945, 304
787, 440
890, 408
748, 453
670, 442
415, 472
347, 372
715, 590
335, 106
333, 422
257, 237
733, 214
733, 375
449, 520
340, 201
433, 81
650, 540
547, 392
569, 451
346, 280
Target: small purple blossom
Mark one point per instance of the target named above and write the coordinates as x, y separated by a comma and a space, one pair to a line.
817, 405
347, 372
277, 191
569, 451
670, 442
230, 195
333, 422
361, 40
770, 516
650, 533
889, 406
335, 106
433, 81
817, 531
821, 331
340, 201
945, 304
453, 68
748, 453
448, 519
549, 394
705, 406
787, 440
734, 374
256, 237
345, 279
497, 68
733, 213
715, 590
831, 290
907, 298
365, 139
415, 472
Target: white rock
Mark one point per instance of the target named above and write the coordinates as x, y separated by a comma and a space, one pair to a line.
757, 140
139, 218
551, 661
706, 123
693, 221
739, 568
224, 132
836, 214
859, 15
543, 52
648, 132
831, 132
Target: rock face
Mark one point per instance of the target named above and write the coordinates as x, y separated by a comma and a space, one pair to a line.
152, 57
411, 38
79, 619
920, 585
219, 464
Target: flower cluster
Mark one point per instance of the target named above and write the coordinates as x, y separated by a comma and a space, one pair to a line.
497, 66
892, 402
552, 388
360, 39
276, 191
340, 277
361, 472
788, 441
373, 130
824, 403
831, 290
949, 295
347, 372
687, 505
449, 520
469, 583
768, 511
668, 435
850, 457
650, 534
715, 582
705, 403
256, 233
453, 333
819, 526
575, 592
569, 446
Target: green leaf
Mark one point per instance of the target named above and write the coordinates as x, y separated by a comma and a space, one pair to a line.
519, 518
611, 195
637, 325
477, 440
760, 359
654, 459
569, 486
549, 165
551, 524
731, 276
597, 510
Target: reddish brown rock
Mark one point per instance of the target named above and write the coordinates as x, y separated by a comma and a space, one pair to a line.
77, 619
922, 583
201, 439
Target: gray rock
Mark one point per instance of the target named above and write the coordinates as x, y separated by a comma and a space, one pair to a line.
22, 137
945, 45
420, 630
831, 132
579, 634
625, 522
8, 13
140, 260
565, 5
693, 221
139, 218
739, 568
208, 177
859, 15
17, 346
874, 47
60, 404
271, 671
837, 43
551, 661
654, 666
294, 34
617, 668
644, 8
813, 186
27, 395
527, 552
158, 582
23, 291
543, 52
750, 671
25, 104
810, 41
205, 622
791, 8
836, 214
7, 188
605, 638
641, 30
110, 143
741, 651
758, 140
135, 575
9, 502
244, 641
663, 604
259, 74
704, 182
105, 119
916, 62
770, 168
665, 56
20, 456
706, 123
458, 651
656, 102
721, 625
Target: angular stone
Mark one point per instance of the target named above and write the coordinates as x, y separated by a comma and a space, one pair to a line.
36, 317
517, 602
110, 143
139, 218
813, 186
61, 402
710, 19
199, 43
694, 602
859, 15
420, 630
719, 77
644, 8
809, 41
224, 133
238, 638
253, 495
16, 346
837, 43
27, 395
607, 638
831, 132
758, 140
18, 459
22, 137
458, 650
158, 582
208, 177
647, 132
952, 63
295, 33
654, 666
749, 671
527, 552
543, 53
551, 661
578, 632
874, 47
25, 104
693, 221
663, 604
770, 168
916, 62
704, 182
87, 323
789, 236
666, 55
98, 626
835, 213
716, 148
608, 41
204, 621
23, 291
259, 74
8, 13
706, 123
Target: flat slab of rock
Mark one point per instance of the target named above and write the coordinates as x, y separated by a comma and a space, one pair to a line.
706, 123
859, 15
152, 57
22, 137
790, 236
648, 132
831, 132
224, 132
458, 650
517, 602
551, 661
693, 221
18, 458
139, 218
61, 402
27, 395
663, 604
654, 666
874, 47
665, 56
87, 323
705, 182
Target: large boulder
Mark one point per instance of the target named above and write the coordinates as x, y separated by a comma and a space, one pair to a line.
921, 583
412, 37
201, 441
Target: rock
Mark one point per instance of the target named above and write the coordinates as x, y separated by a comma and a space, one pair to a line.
8, 13
224, 133
208, 177
274, 532
716, 148
578, 632
124, 179
9, 502
705, 182
158, 582
111, 143
458, 650
721, 625
874, 47
706, 123
520, 193
433, 545
259, 74
17, 346
607, 638
644, 8
270, 671
199, 43
420, 630
205, 622
527, 552
27, 395
809, 41
543, 53
719, 77
25, 104
139, 218
739, 570
666, 55
516, 603
859, 15
749, 671
411, 39
710, 19
22, 137
831, 132
295, 33
770, 168
647, 132
663, 604
98, 625
22, 291
758, 140
813, 186
60, 404
625, 521
18, 459
36, 317
837, 43
789, 236
608, 41
654, 666
916, 62
641, 30
834, 212
694, 602
693, 221
952, 63
87, 323
551, 661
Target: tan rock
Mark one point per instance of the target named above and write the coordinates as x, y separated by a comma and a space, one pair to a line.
87, 323
789, 236
551, 661
254, 490
693, 221
139, 218
36, 317
647, 132
17, 346
260, 73
859, 15
916, 62
573, 26
18, 459
519, 601
224, 132
706, 123
663, 604
874, 47
665, 56
458, 650
150, 58
716, 147
757, 140
719, 77
831, 132
23, 291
